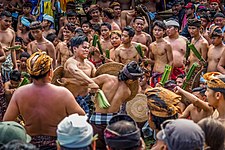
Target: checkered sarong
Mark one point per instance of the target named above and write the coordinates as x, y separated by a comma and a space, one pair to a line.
101, 119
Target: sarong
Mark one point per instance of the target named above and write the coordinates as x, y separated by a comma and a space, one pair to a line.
7, 67
99, 122
44, 142
177, 71
86, 104
3, 103
156, 77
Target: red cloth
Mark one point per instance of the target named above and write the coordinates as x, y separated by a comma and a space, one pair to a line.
177, 71
217, 1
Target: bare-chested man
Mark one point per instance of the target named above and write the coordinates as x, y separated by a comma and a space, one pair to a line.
115, 6
216, 49
195, 113
140, 36
47, 23
221, 64
104, 3
105, 34
108, 16
198, 41
127, 52
160, 52
178, 44
79, 68
7, 39
41, 104
126, 4
86, 26
63, 52
95, 13
24, 30
40, 42
115, 39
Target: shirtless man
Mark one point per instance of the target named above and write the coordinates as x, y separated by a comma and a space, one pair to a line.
79, 68
63, 52
126, 4
115, 39
95, 13
109, 17
160, 52
86, 26
116, 91
24, 30
127, 52
198, 41
140, 36
216, 49
104, 3
178, 44
196, 113
40, 42
115, 6
7, 39
41, 104
221, 64
105, 34
47, 22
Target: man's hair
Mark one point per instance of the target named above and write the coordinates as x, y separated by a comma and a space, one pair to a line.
15, 75
114, 4
96, 28
214, 133
139, 17
6, 14
159, 120
108, 25
70, 5
182, 76
108, 12
71, 14
86, 22
159, 24
115, 32
18, 144
27, 4
51, 37
24, 54
130, 30
35, 25
70, 26
77, 41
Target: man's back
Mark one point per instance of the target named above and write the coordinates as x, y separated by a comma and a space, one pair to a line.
42, 107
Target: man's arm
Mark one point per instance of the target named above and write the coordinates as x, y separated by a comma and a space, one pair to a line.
2, 54
169, 54
13, 52
204, 50
151, 55
117, 53
221, 64
12, 111
58, 54
186, 112
29, 48
51, 53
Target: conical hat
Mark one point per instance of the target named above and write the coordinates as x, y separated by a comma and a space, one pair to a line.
137, 108
113, 68
57, 75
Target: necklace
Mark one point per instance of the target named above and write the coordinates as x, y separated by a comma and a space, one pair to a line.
197, 40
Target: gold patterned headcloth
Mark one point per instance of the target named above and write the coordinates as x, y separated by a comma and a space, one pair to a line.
39, 63
213, 80
162, 102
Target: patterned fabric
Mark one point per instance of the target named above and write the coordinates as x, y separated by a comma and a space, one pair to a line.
101, 119
177, 71
3, 103
156, 77
7, 67
44, 142
82, 101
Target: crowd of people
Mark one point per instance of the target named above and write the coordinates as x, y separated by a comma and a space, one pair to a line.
112, 74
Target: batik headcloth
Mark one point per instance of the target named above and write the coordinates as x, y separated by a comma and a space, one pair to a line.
39, 63
213, 80
162, 102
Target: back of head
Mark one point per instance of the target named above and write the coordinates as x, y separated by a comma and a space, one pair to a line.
122, 133
78, 40
51, 37
35, 25
19, 145
74, 132
108, 12
15, 75
214, 133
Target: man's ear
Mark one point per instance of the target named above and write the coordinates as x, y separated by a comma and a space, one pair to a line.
218, 95
74, 49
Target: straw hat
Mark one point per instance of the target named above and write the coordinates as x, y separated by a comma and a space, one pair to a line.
57, 75
113, 68
137, 108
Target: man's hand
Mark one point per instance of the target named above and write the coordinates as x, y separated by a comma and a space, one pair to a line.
177, 90
93, 87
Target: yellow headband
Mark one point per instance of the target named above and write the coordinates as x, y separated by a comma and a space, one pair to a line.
213, 81
39, 63
166, 103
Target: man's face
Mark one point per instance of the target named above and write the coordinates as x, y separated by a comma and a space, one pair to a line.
219, 21
26, 10
86, 9
193, 31
23, 62
204, 22
117, 11
179, 82
189, 11
67, 34
214, 6
143, 80
95, 14
14, 84
174, 10
115, 40
36, 33
125, 38
86, 28
139, 25
158, 32
198, 95
203, 2
170, 30
216, 40
210, 94
45, 23
82, 50
6, 22
104, 32
72, 19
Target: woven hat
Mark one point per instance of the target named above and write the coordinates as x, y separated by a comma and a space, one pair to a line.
57, 75
137, 108
113, 68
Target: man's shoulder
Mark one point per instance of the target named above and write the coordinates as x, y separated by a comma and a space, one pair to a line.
11, 31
